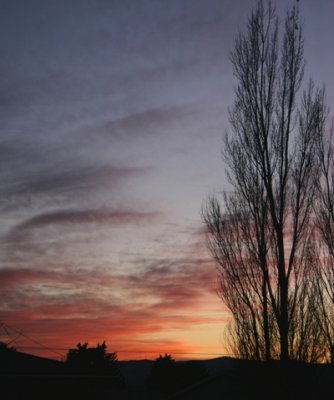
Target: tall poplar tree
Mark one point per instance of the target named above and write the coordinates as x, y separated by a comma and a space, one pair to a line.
261, 235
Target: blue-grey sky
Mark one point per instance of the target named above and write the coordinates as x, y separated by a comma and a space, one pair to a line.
111, 119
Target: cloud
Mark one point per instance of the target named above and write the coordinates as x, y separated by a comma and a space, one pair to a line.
134, 97
66, 181
134, 310
123, 329
158, 291
11, 277
130, 338
117, 217
23, 231
166, 287
179, 285
149, 121
64, 275
87, 177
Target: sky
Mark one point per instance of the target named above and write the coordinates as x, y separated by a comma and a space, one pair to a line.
112, 114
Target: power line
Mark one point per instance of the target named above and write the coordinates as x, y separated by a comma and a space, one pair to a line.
20, 333
139, 351
56, 350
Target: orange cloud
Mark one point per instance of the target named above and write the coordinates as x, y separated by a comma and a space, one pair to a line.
135, 312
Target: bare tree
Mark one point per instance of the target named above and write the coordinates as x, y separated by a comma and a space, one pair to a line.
325, 223
306, 337
262, 236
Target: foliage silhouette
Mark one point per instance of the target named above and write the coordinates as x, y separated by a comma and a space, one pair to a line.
95, 362
92, 358
167, 376
163, 374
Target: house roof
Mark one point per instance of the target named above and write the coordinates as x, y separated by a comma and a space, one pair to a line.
17, 363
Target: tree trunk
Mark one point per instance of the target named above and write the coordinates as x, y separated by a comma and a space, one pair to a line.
265, 321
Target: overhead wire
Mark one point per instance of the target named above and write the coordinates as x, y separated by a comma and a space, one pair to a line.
41, 345
56, 350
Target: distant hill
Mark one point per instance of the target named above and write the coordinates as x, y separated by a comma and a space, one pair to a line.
15, 362
24, 376
218, 365
136, 372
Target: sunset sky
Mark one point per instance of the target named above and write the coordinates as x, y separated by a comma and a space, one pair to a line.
111, 122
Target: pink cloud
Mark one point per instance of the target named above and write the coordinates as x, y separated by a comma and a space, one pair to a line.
61, 307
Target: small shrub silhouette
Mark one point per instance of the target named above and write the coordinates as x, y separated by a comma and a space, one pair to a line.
163, 374
167, 376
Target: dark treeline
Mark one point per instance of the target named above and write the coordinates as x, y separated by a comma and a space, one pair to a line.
87, 373
92, 373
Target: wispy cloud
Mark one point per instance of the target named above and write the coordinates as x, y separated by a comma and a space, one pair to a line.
133, 310
64, 182
118, 217
34, 231
102, 108
80, 179
149, 121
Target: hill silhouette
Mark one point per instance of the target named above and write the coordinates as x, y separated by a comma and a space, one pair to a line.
24, 376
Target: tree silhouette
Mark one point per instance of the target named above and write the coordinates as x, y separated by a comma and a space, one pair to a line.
95, 359
167, 376
163, 374
95, 371
262, 237
325, 225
